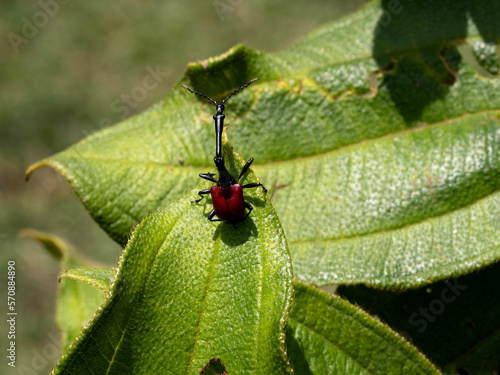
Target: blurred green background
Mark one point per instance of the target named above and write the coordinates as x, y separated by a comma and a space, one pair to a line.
67, 79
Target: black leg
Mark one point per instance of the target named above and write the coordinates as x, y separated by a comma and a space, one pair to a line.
245, 168
209, 177
250, 208
254, 185
211, 216
206, 191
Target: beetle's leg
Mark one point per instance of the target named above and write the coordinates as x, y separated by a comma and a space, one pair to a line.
209, 177
254, 185
250, 208
206, 191
211, 216
245, 168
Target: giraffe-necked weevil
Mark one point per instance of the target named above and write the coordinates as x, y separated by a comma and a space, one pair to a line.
227, 195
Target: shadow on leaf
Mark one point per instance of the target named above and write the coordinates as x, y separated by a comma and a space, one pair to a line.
415, 36
445, 319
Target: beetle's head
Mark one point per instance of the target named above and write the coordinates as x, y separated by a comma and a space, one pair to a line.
220, 108
219, 162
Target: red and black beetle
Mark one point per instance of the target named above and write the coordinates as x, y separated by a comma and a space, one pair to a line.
227, 195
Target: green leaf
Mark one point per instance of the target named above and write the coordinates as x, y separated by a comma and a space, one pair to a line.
77, 302
378, 133
56, 247
76, 305
328, 335
99, 278
420, 234
189, 291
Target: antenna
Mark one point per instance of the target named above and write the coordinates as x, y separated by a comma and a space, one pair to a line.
238, 90
200, 94
213, 101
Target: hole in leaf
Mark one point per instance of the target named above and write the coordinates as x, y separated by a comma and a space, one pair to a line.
214, 367
487, 55
471, 57
373, 77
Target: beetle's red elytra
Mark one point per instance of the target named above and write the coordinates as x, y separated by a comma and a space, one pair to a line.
229, 203
227, 195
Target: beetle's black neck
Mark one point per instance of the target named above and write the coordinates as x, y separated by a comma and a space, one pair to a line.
219, 127
225, 178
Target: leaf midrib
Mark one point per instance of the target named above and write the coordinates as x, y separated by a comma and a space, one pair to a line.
331, 343
384, 231
420, 127
216, 250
